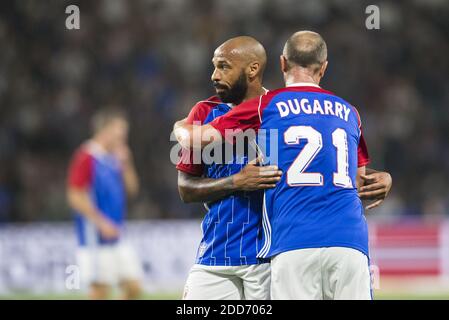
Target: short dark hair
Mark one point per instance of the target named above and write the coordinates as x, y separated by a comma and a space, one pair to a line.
104, 116
306, 49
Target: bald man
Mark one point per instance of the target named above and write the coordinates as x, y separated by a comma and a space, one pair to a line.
237, 77
316, 232
226, 265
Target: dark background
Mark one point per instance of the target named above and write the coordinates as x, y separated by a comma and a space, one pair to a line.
153, 58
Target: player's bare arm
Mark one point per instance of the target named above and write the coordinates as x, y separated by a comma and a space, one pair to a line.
361, 171
192, 136
130, 176
372, 185
252, 177
80, 201
376, 186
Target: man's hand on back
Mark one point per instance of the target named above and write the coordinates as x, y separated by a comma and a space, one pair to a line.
376, 187
254, 177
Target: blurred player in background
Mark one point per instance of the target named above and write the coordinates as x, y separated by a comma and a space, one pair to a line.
101, 176
227, 266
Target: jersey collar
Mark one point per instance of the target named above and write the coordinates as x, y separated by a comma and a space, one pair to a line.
304, 84
96, 150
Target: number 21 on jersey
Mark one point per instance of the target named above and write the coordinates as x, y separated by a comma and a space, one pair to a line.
296, 177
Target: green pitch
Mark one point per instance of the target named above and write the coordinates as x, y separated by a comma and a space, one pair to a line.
28, 296
177, 295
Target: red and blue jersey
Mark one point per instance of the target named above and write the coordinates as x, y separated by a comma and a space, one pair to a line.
319, 149
232, 227
99, 173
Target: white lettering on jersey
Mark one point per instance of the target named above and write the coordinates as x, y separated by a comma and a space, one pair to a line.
305, 106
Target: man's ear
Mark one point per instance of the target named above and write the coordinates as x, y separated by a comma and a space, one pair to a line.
284, 64
323, 69
253, 69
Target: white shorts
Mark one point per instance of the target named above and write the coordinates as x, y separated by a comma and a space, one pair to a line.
228, 283
108, 264
321, 273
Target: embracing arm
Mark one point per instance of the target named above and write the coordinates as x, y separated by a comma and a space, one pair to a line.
252, 177
375, 186
361, 171
199, 189
194, 136
372, 185
241, 118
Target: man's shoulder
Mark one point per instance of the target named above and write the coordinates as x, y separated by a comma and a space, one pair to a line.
292, 89
263, 100
213, 100
202, 108
80, 167
90, 151
208, 104
82, 153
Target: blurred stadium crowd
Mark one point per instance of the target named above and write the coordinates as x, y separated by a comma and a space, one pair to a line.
153, 58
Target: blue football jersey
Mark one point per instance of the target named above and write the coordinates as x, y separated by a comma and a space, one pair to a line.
232, 227
100, 174
319, 147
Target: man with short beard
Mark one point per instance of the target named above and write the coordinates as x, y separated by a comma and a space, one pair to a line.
227, 266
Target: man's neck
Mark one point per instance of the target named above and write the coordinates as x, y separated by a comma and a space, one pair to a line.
254, 92
301, 77
303, 84
99, 144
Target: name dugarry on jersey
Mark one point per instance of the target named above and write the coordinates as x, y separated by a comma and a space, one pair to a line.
232, 228
320, 147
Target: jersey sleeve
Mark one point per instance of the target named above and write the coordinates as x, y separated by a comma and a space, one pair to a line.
243, 117
362, 152
80, 173
198, 114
